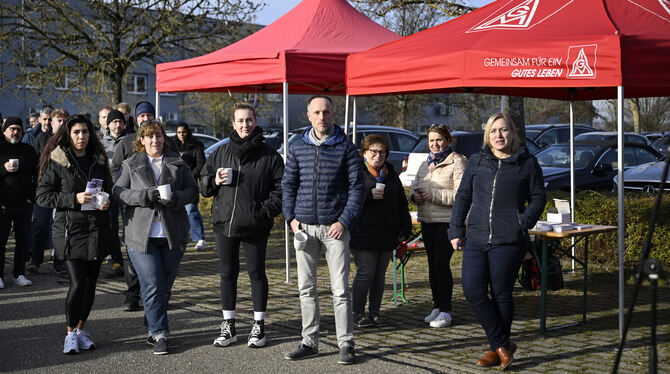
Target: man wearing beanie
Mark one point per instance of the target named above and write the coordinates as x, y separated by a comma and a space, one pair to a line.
18, 178
144, 111
115, 124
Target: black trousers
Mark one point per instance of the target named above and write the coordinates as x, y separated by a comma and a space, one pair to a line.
80, 296
439, 252
19, 218
229, 267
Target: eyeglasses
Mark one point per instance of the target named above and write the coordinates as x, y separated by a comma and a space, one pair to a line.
374, 152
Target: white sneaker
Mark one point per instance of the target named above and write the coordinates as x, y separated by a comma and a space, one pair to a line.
442, 320
22, 281
71, 343
432, 315
201, 244
2, 284
84, 339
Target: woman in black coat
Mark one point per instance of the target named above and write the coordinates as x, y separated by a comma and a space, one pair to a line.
72, 159
382, 224
193, 153
502, 196
244, 176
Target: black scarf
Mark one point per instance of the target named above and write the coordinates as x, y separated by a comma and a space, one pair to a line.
241, 147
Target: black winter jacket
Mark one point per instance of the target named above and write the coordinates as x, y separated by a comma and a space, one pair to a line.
382, 221
17, 187
493, 195
249, 204
193, 152
77, 234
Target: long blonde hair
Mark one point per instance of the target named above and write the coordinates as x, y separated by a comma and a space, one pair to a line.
516, 140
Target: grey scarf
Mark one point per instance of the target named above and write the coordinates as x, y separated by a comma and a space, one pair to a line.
317, 142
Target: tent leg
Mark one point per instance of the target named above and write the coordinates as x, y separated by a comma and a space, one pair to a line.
158, 106
503, 103
353, 138
572, 174
286, 226
620, 232
346, 115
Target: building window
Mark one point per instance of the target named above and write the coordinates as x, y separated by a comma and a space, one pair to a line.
137, 84
66, 82
168, 94
30, 78
171, 116
274, 98
441, 109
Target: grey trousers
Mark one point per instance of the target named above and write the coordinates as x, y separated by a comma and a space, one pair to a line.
370, 277
337, 257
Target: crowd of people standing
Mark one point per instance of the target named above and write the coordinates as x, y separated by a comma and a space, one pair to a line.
335, 198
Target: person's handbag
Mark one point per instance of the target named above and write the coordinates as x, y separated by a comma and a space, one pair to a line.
530, 277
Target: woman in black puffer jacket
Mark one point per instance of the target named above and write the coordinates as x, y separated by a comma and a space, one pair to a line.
193, 153
502, 196
72, 158
245, 204
382, 224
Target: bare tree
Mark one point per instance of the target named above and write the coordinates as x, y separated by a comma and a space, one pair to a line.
640, 114
94, 44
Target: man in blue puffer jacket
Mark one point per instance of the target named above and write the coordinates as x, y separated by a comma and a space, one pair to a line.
322, 196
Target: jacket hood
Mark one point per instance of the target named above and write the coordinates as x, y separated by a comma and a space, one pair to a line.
337, 138
60, 156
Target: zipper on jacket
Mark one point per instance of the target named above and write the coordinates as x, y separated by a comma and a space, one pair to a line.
493, 191
237, 184
315, 186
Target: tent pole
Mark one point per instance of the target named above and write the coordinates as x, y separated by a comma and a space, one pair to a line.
354, 119
572, 173
286, 227
620, 232
346, 115
503, 103
158, 106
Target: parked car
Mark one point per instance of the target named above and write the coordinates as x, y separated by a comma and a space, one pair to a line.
661, 145
465, 143
401, 141
213, 147
545, 135
595, 163
207, 140
611, 136
653, 136
645, 178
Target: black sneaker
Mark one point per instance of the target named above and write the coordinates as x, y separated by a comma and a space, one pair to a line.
32, 268
376, 319
161, 346
228, 334
303, 351
151, 341
257, 336
346, 356
362, 321
132, 304
117, 271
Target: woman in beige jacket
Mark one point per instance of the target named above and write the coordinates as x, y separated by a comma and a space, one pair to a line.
434, 190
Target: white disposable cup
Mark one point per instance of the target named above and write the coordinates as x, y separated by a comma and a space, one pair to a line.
300, 240
229, 176
165, 191
14, 162
101, 199
380, 186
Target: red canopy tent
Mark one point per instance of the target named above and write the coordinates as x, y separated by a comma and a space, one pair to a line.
570, 50
306, 47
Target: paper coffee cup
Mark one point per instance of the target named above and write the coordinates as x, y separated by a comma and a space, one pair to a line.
165, 191
300, 240
380, 186
14, 162
101, 199
229, 176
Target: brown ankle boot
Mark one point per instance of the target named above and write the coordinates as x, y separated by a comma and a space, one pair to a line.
506, 357
490, 358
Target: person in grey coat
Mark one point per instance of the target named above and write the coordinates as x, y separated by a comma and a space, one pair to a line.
157, 228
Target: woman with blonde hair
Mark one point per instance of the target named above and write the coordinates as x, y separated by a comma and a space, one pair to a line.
434, 190
502, 196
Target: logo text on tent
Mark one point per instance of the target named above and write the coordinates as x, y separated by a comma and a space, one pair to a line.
518, 17
581, 62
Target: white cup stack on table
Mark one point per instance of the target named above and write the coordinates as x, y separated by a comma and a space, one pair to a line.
165, 191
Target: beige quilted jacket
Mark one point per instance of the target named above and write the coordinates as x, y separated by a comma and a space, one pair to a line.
443, 184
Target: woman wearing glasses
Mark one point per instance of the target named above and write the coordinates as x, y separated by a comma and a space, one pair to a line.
383, 222
434, 191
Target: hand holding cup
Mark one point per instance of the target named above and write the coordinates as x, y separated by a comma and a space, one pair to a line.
223, 176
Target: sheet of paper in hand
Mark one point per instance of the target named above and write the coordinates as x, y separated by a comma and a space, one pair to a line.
94, 187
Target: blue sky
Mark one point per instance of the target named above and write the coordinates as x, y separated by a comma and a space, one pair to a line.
277, 8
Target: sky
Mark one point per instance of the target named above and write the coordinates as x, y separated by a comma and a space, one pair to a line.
277, 8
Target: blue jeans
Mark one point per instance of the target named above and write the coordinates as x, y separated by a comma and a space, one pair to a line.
493, 267
115, 249
157, 270
195, 220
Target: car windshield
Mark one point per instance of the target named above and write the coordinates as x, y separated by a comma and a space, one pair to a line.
532, 134
559, 156
604, 137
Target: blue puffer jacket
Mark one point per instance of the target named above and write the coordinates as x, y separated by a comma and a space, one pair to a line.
324, 184
493, 195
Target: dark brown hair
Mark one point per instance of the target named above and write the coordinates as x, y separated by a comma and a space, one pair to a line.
149, 128
373, 139
442, 130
